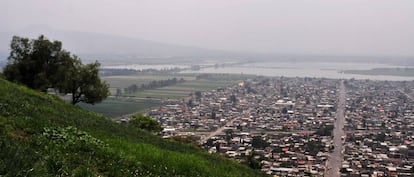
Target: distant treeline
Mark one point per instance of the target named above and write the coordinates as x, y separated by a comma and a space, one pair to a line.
117, 72
153, 85
223, 77
409, 72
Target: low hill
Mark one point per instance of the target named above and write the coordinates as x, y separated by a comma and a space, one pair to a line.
43, 136
109, 48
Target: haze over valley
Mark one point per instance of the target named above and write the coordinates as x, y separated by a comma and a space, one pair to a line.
184, 30
207, 88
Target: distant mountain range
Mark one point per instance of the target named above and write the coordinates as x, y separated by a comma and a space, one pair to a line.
112, 48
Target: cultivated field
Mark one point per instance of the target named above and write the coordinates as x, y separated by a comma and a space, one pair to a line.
141, 101
115, 107
125, 81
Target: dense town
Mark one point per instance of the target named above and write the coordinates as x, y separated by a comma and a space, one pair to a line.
302, 126
379, 129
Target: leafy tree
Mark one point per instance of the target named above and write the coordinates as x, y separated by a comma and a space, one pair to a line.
258, 142
34, 62
380, 137
229, 135
145, 122
313, 147
233, 99
190, 103
132, 88
325, 130
82, 81
118, 92
284, 110
198, 95
213, 115
41, 64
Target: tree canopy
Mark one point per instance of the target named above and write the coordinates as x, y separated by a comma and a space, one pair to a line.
258, 142
145, 122
41, 64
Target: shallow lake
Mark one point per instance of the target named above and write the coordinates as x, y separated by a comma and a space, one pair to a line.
305, 69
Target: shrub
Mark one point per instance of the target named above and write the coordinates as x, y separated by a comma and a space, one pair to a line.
145, 122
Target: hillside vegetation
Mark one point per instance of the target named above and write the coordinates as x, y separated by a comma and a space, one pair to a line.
43, 136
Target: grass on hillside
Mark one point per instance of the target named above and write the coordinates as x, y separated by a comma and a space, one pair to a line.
41, 135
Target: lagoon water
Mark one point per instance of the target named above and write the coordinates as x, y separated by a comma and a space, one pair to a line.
287, 69
145, 66
305, 69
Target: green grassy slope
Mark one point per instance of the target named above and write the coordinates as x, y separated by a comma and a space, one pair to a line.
43, 136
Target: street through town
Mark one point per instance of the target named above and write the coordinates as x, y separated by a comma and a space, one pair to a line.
335, 158
217, 132
406, 94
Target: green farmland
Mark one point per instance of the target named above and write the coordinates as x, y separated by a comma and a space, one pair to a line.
115, 107
125, 81
182, 90
141, 101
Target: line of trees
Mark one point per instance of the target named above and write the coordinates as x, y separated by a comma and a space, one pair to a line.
153, 85
42, 64
115, 72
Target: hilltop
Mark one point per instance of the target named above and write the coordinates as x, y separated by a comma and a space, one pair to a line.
41, 135
110, 48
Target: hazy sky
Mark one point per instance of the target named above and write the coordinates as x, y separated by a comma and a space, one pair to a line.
339, 27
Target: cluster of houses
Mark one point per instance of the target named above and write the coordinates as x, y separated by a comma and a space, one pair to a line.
379, 129
283, 124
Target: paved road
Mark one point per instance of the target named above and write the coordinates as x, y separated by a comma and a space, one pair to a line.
218, 131
406, 94
335, 158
